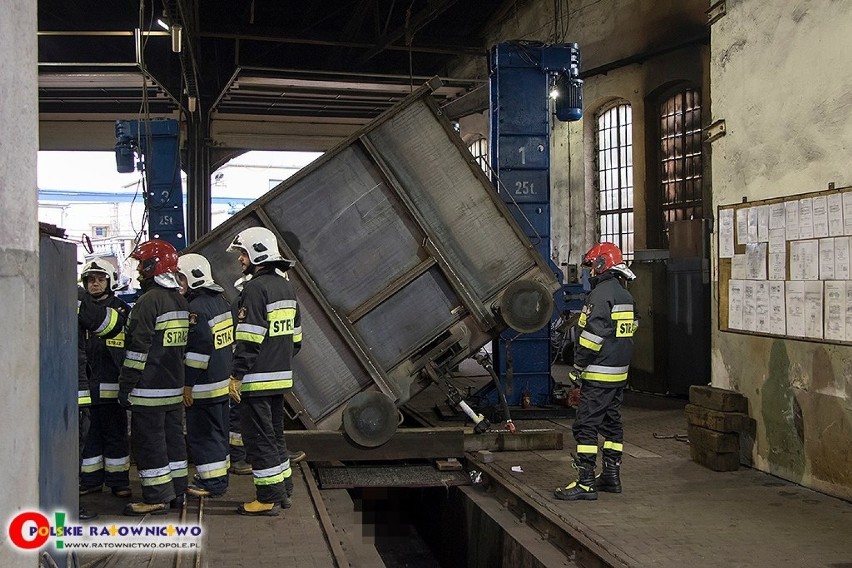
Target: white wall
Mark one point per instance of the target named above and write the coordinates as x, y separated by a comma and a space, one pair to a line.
19, 363
780, 80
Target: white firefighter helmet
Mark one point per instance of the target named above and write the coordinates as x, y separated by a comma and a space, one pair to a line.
624, 271
101, 266
260, 245
196, 270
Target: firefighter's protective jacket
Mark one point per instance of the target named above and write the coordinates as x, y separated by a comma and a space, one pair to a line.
156, 337
99, 320
268, 332
607, 324
105, 355
209, 351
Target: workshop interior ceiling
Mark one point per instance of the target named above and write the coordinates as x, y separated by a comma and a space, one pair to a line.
306, 60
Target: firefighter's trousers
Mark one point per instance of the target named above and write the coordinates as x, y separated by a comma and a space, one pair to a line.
599, 412
106, 456
207, 436
262, 422
235, 434
160, 452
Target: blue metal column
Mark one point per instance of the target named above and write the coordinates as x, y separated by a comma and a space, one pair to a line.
158, 142
521, 77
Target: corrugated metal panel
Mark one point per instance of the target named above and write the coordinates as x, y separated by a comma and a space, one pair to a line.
480, 241
402, 249
354, 240
392, 332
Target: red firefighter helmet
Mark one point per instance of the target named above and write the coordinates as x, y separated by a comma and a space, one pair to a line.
602, 257
607, 256
156, 257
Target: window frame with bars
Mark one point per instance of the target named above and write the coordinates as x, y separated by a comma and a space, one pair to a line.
679, 158
614, 180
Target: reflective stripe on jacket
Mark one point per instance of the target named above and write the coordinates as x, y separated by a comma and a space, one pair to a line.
605, 342
267, 332
156, 337
209, 352
106, 355
93, 319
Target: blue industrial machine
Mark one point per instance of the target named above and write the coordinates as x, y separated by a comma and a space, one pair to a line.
156, 143
524, 78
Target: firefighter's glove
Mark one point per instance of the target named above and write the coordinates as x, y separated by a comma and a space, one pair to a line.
574, 378
124, 399
187, 396
234, 387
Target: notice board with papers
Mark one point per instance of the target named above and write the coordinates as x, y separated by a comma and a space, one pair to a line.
784, 266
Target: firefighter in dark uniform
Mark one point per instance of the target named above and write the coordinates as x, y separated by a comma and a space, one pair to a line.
602, 357
106, 458
152, 379
208, 368
102, 321
239, 465
268, 334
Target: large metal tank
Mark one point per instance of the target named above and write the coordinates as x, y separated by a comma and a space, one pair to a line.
408, 261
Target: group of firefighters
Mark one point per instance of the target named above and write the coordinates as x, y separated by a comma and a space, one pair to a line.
183, 347
179, 349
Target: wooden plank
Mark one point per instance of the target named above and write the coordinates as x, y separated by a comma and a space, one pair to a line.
718, 399
719, 442
407, 443
715, 420
449, 464
519, 441
715, 461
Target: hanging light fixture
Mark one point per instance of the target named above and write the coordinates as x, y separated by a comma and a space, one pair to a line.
177, 37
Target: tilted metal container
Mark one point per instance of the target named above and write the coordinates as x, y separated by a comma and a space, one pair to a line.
408, 261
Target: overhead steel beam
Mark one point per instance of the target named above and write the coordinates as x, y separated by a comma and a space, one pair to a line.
286, 133
473, 102
362, 78
412, 25
455, 50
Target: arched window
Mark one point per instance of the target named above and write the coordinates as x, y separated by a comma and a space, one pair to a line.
614, 165
479, 149
680, 162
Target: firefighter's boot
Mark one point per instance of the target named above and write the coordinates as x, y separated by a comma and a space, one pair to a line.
258, 509
584, 488
286, 500
609, 480
240, 468
142, 509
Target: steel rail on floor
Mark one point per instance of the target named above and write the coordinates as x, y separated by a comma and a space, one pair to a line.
530, 509
324, 518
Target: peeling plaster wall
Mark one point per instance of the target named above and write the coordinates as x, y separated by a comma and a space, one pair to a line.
779, 79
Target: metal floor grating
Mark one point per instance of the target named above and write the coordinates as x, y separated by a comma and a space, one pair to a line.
389, 476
